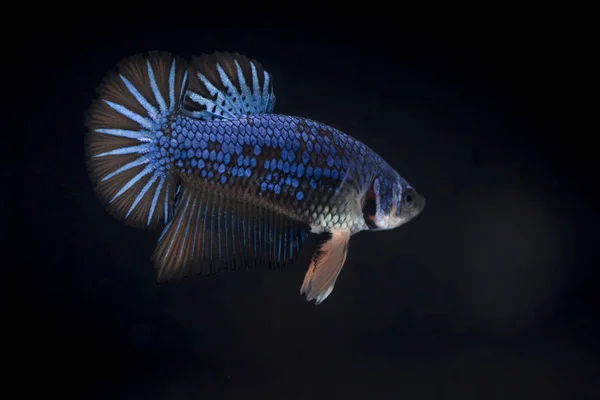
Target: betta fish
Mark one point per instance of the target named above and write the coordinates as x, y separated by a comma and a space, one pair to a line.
194, 147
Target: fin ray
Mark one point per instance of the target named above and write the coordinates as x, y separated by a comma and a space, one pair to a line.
142, 193
141, 135
208, 233
155, 90
130, 175
227, 85
150, 109
325, 266
144, 122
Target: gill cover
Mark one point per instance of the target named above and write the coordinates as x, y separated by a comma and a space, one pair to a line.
374, 206
388, 204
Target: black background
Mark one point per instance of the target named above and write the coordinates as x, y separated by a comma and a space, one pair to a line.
490, 293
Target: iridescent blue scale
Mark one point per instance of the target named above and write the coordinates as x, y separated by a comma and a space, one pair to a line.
245, 154
194, 147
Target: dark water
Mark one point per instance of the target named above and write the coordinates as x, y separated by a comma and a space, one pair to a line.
490, 293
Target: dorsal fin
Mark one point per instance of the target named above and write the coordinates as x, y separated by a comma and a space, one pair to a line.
227, 85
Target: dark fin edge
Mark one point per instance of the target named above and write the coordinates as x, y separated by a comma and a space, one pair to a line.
122, 158
214, 231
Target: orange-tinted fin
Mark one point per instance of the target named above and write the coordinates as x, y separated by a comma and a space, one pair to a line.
325, 266
213, 231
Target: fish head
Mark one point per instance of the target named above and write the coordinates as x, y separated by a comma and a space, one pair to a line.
390, 202
407, 203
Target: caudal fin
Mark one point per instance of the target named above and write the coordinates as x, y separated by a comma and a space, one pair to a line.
135, 107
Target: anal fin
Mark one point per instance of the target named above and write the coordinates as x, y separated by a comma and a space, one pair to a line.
325, 266
212, 230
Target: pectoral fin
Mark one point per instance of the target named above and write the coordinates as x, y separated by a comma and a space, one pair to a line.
325, 266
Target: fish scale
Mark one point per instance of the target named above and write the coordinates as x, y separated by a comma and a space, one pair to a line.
194, 147
271, 157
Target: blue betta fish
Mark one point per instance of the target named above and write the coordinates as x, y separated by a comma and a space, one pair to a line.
194, 146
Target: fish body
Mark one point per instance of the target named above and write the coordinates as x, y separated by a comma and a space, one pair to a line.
196, 148
294, 165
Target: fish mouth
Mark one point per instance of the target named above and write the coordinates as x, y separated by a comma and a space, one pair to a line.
421, 201
419, 205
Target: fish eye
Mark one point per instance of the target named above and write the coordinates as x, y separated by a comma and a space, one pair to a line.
409, 199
